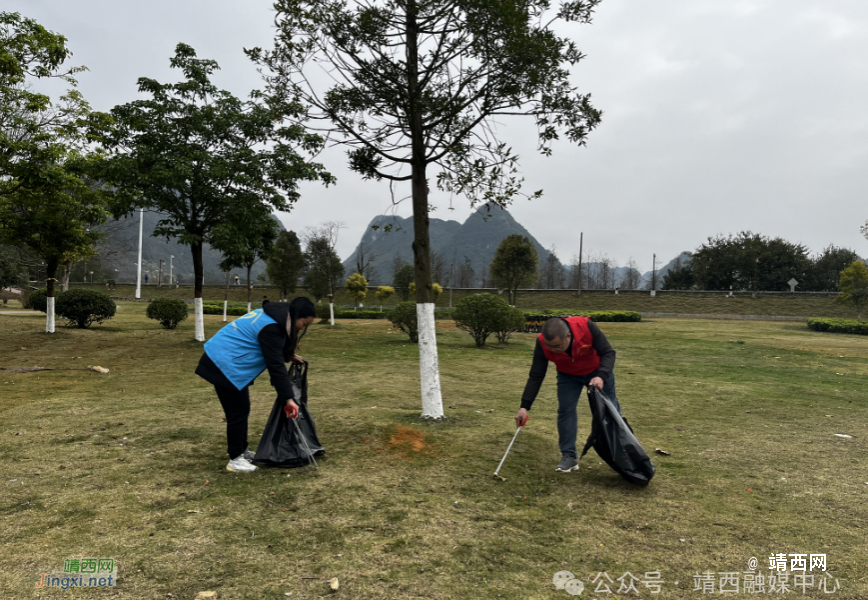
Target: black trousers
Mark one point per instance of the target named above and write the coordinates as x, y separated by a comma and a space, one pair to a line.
236, 407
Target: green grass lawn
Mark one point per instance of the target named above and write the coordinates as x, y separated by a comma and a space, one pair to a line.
131, 465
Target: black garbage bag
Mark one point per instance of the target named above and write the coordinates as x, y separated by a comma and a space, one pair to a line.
613, 439
280, 445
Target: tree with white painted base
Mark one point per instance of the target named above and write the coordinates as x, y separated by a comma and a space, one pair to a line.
202, 158
417, 84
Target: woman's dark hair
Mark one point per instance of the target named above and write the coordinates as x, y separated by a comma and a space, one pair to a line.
301, 308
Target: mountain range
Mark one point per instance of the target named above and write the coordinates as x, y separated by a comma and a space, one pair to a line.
387, 243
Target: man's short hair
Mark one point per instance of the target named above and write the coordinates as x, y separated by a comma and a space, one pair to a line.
555, 328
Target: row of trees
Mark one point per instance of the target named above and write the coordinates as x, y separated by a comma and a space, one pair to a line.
753, 262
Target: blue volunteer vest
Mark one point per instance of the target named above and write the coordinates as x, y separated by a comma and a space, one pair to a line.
236, 350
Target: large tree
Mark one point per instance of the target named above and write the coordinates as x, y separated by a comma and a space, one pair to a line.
245, 243
854, 286
55, 219
419, 84
749, 261
323, 269
48, 203
35, 132
202, 158
514, 265
826, 267
286, 263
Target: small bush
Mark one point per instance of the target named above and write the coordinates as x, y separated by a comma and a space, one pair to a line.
322, 311
511, 321
839, 326
83, 307
481, 315
38, 300
168, 311
404, 318
599, 316
210, 308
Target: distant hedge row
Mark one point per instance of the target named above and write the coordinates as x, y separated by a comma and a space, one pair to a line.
599, 316
322, 311
839, 326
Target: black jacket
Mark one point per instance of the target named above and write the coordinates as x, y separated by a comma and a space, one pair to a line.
540, 364
277, 349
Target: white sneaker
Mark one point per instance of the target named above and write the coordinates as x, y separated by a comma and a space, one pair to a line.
239, 464
248, 454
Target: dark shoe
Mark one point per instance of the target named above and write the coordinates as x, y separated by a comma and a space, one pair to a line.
568, 463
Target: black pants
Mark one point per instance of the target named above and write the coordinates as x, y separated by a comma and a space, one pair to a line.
236, 406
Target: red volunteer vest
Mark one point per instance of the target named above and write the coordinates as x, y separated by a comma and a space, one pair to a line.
582, 358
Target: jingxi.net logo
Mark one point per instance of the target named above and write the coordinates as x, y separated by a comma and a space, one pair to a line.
564, 580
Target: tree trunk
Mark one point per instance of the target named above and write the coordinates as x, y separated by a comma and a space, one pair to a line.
64, 276
432, 401
226, 297
249, 286
198, 276
50, 272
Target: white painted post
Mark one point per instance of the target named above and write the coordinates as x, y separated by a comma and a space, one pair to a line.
49, 316
139, 264
331, 310
200, 320
432, 401
225, 304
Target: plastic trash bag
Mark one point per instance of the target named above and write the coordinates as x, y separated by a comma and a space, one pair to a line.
613, 439
280, 445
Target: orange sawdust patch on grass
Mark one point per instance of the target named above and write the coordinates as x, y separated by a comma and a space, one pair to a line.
408, 441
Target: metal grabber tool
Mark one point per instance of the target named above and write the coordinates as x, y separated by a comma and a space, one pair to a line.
510, 445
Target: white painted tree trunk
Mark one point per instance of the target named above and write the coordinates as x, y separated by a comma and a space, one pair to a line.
225, 304
248, 307
200, 320
432, 401
332, 313
49, 316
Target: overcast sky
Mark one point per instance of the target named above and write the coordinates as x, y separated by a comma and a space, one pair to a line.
719, 116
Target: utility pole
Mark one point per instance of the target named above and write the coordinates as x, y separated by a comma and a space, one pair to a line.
171, 258
160, 274
139, 264
581, 239
654, 273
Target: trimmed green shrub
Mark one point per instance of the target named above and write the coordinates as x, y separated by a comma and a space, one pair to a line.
82, 307
38, 300
511, 321
839, 326
404, 318
168, 311
210, 308
599, 316
481, 315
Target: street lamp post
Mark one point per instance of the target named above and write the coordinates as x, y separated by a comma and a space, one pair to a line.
139, 264
171, 258
160, 274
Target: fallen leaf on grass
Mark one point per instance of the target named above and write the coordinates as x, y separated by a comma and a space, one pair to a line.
661, 451
333, 584
206, 483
